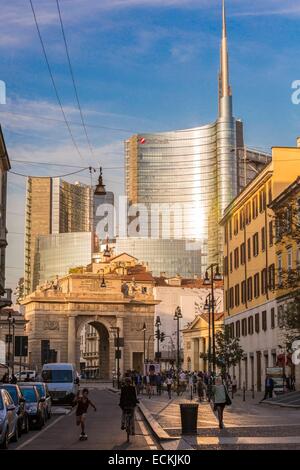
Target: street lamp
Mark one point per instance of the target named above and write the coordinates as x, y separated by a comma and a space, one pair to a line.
13, 347
177, 316
117, 352
144, 329
215, 275
157, 334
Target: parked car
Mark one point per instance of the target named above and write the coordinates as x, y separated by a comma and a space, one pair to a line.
19, 402
62, 381
34, 405
21, 377
8, 420
44, 393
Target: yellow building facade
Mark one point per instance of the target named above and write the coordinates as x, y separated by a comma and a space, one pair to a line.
250, 267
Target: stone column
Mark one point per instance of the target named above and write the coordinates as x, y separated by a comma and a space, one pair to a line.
72, 339
201, 350
196, 354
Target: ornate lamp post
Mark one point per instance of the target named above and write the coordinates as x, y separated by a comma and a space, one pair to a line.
157, 335
177, 317
215, 275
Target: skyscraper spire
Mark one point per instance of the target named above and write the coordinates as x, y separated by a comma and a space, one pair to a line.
224, 92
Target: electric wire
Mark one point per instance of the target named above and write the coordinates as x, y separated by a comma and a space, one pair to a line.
53, 81
73, 77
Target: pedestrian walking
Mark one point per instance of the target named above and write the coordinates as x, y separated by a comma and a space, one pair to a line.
234, 385
152, 382
220, 398
269, 387
200, 388
169, 383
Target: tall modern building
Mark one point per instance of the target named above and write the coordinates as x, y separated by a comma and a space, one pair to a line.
192, 174
53, 207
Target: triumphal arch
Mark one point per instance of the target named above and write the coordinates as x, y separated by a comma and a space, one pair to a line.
114, 294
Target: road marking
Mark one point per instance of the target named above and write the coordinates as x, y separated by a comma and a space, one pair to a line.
150, 442
247, 440
42, 431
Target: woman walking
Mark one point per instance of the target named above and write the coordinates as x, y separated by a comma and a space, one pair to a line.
221, 399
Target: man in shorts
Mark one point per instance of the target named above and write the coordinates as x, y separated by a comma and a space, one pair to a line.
83, 402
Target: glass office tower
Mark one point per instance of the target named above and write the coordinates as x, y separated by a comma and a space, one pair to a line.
192, 174
56, 254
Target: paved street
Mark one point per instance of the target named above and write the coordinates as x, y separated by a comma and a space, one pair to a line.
103, 429
248, 425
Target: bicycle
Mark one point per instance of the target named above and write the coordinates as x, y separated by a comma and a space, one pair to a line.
128, 412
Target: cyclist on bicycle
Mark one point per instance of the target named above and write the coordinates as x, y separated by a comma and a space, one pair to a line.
128, 401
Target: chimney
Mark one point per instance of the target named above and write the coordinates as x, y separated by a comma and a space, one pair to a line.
298, 142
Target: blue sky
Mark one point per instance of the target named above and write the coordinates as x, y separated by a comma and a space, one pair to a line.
144, 65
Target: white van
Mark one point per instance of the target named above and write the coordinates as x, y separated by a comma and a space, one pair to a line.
62, 381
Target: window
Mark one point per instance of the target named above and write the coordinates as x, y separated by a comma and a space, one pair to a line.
244, 327
238, 329
230, 262
298, 213
226, 266
271, 234
226, 233
289, 259
256, 285
270, 195
230, 229
237, 295
298, 260
280, 314
272, 318
226, 300
262, 200
249, 289
254, 207
231, 298
243, 292
243, 253
264, 320
236, 258
279, 264
289, 219
255, 244
272, 277
249, 248
250, 325
264, 281
242, 219
263, 239
248, 213
236, 225
256, 322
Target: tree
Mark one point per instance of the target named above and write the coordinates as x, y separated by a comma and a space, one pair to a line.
228, 350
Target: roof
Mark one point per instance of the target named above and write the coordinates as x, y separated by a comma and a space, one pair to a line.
285, 194
186, 283
119, 255
204, 316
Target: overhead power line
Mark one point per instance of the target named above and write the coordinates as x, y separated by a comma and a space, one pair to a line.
73, 77
64, 165
56, 176
53, 81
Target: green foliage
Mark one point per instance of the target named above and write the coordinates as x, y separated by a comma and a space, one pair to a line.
228, 350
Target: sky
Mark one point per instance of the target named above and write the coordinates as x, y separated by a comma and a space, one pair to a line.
139, 66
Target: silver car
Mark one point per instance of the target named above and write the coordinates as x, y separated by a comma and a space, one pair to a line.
8, 420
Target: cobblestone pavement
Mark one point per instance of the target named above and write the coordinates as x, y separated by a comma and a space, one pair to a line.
248, 424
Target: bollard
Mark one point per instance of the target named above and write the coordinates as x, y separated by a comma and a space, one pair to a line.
244, 393
191, 393
253, 392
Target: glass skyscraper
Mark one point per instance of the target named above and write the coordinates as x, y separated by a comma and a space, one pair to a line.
192, 174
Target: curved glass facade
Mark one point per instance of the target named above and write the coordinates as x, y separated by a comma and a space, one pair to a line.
191, 174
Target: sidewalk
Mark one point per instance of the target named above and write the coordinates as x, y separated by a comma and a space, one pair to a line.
247, 423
